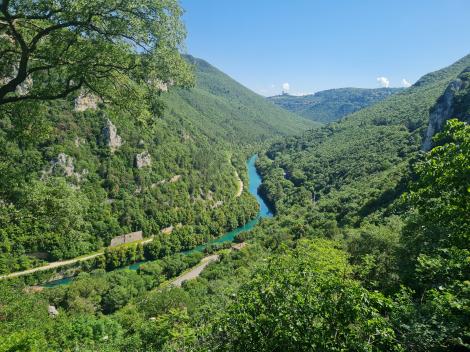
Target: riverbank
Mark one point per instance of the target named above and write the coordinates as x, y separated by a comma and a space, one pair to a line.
254, 183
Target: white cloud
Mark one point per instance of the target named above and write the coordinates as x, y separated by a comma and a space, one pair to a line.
383, 81
285, 87
405, 83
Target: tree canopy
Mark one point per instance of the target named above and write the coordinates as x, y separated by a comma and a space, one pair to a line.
51, 48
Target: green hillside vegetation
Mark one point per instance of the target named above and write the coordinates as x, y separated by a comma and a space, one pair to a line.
67, 213
329, 274
223, 109
288, 287
333, 104
368, 249
350, 171
65, 192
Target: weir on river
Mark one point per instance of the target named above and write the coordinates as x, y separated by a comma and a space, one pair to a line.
254, 183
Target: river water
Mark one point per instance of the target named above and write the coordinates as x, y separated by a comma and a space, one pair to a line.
264, 212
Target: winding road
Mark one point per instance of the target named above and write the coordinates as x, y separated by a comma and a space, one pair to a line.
59, 263
195, 271
240, 185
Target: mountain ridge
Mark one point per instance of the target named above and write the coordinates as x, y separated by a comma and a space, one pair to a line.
332, 104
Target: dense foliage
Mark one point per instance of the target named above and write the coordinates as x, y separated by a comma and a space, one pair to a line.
351, 171
230, 111
333, 104
368, 250
97, 192
305, 300
50, 49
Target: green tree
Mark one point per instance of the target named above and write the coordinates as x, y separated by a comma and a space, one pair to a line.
50, 49
304, 300
435, 258
57, 217
437, 234
168, 332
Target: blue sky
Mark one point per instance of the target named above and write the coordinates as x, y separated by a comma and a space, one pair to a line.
321, 44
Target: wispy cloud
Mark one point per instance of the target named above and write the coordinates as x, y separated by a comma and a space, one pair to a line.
285, 87
383, 81
405, 83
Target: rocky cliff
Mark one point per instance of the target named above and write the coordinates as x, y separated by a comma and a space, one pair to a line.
454, 103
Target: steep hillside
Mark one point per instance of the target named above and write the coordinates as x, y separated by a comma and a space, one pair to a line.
88, 171
454, 103
350, 169
333, 104
223, 109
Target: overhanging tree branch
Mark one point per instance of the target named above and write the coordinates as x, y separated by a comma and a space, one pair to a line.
69, 89
86, 41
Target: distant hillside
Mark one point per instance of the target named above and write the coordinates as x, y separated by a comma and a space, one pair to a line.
354, 167
331, 105
222, 108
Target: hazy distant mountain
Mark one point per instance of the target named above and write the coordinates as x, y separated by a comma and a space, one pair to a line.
331, 105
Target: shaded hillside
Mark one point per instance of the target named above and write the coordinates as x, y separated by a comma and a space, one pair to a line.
354, 167
223, 109
333, 104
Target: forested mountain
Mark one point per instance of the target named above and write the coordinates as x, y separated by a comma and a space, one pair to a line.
223, 109
400, 214
368, 249
89, 171
345, 165
333, 104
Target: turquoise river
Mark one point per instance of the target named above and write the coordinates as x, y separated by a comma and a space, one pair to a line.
254, 183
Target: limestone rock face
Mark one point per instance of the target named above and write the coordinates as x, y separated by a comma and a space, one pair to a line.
23, 88
162, 86
441, 112
79, 141
63, 165
143, 159
112, 139
175, 178
86, 101
53, 312
447, 107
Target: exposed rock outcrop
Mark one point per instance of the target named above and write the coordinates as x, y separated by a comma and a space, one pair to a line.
217, 204
21, 89
175, 178
143, 159
168, 230
79, 141
53, 312
63, 166
448, 106
112, 139
86, 101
